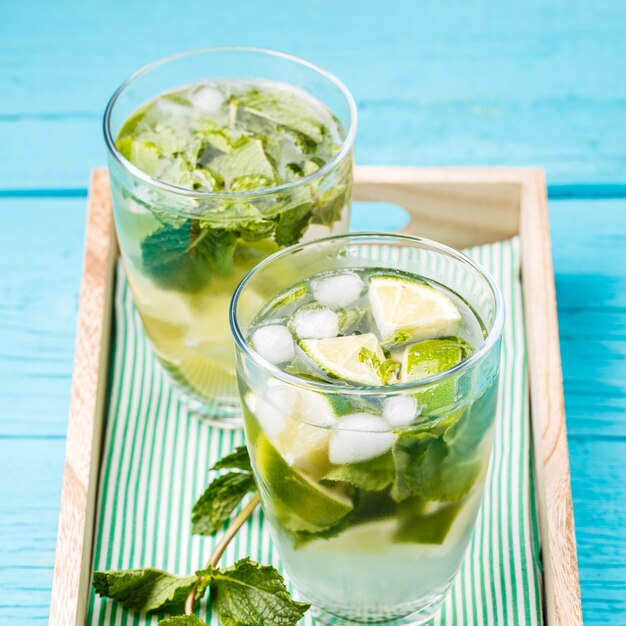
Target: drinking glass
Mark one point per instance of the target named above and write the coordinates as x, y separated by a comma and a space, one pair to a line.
388, 550
187, 324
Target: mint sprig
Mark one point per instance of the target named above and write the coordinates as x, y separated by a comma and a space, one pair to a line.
238, 459
219, 500
243, 594
182, 620
224, 493
247, 593
146, 590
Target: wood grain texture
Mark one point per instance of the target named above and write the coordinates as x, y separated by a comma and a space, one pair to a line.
556, 516
437, 83
82, 461
458, 207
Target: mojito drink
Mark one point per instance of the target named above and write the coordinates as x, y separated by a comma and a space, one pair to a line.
371, 455
238, 168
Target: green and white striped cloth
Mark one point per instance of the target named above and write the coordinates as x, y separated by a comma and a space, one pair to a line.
156, 458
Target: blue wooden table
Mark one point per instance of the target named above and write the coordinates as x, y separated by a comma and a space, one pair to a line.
474, 83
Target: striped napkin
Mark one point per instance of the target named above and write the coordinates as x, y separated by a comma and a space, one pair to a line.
156, 458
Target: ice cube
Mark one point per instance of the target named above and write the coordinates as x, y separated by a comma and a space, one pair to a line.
136, 208
316, 323
315, 408
167, 110
400, 410
271, 420
284, 398
340, 290
206, 99
359, 437
274, 343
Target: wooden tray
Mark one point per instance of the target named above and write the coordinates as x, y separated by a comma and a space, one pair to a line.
460, 207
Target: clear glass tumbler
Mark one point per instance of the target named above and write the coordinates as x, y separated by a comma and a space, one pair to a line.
385, 544
182, 269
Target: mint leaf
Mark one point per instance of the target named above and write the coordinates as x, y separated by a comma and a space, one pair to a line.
370, 358
292, 296
182, 620
279, 108
330, 205
251, 594
425, 467
386, 370
292, 224
146, 589
247, 160
373, 475
398, 338
143, 154
418, 525
238, 459
465, 434
233, 216
350, 319
219, 500
188, 257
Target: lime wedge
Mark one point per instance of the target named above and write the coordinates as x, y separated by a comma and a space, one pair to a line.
399, 304
339, 357
430, 357
296, 421
295, 500
205, 375
303, 443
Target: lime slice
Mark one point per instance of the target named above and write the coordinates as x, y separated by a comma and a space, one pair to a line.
339, 357
430, 357
205, 375
296, 422
433, 356
399, 304
297, 502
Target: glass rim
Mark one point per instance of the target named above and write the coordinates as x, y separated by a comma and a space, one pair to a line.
493, 335
342, 153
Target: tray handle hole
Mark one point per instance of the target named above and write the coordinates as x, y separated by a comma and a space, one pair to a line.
384, 216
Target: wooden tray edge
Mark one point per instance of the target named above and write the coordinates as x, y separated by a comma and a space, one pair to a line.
72, 573
556, 513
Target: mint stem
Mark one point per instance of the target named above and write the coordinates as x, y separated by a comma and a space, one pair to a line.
221, 546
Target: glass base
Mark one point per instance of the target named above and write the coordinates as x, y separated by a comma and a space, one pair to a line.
223, 415
422, 616
222, 410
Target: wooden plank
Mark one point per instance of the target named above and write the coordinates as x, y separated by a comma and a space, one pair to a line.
562, 587
74, 544
589, 242
39, 284
539, 83
600, 504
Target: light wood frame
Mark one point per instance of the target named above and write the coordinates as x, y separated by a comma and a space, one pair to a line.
460, 207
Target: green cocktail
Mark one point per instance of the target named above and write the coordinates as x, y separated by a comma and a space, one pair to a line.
369, 381
210, 177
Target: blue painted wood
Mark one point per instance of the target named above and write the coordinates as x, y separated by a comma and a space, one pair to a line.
589, 245
537, 82
532, 82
